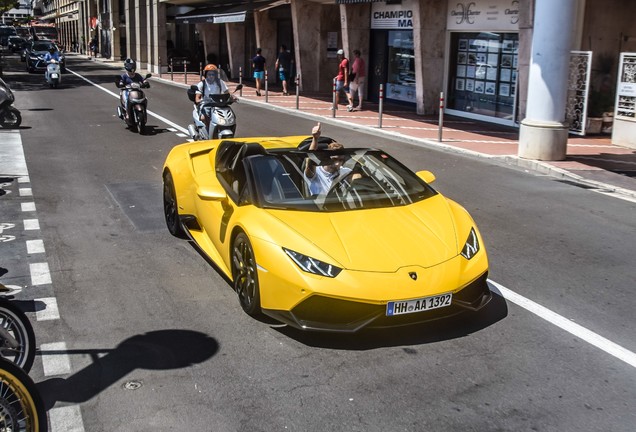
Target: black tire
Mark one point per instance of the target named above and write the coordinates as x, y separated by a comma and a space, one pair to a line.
245, 275
21, 406
140, 120
170, 207
11, 118
14, 322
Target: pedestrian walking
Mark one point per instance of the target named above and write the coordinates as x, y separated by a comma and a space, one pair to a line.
258, 63
342, 79
357, 78
283, 66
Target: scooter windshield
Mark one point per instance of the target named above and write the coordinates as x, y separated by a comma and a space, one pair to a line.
217, 99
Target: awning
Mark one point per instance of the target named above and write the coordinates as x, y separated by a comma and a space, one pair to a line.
357, 1
221, 14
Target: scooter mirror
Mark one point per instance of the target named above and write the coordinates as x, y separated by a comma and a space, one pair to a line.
238, 87
148, 76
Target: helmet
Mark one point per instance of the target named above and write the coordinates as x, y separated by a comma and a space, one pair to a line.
52, 49
130, 65
209, 68
340, 52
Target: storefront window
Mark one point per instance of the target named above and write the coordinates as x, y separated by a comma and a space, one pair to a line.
483, 73
401, 68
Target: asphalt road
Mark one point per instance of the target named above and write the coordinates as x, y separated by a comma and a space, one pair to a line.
157, 340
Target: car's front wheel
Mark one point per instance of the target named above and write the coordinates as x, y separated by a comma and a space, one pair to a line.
245, 275
170, 209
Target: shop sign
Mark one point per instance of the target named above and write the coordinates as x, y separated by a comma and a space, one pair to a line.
626, 92
483, 15
391, 16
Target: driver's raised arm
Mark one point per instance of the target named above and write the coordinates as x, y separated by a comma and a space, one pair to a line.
310, 167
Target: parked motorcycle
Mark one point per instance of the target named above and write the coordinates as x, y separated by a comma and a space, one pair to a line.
220, 121
10, 116
53, 74
133, 104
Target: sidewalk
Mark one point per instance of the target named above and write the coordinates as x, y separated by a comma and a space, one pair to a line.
592, 161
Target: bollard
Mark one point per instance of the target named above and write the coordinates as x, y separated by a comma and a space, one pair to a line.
333, 103
297, 91
266, 91
441, 116
185, 71
171, 70
241, 80
381, 106
159, 67
200, 71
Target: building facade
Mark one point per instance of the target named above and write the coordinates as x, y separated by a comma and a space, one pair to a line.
478, 53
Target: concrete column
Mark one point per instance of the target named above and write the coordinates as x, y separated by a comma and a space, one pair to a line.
150, 26
114, 31
265, 30
429, 32
141, 34
310, 45
236, 46
129, 11
543, 134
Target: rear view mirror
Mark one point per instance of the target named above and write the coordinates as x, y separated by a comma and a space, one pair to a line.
238, 87
148, 76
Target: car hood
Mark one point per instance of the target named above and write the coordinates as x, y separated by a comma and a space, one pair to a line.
383, 239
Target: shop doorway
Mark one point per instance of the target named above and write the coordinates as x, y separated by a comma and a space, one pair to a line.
377, 63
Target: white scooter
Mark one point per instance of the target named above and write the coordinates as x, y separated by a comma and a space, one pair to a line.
53, 74
220, 119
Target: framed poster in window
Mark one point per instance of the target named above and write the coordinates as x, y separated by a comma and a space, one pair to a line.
462, 45
479, 86
470, 85
506, 60
490, 88
505, 74
504, 89
459, 84
461, 57
461, 70
491, 73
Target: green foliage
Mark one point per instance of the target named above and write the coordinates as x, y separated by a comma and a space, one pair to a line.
6, 5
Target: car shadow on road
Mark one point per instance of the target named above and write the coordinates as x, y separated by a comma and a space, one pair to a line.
454, 327
157, 350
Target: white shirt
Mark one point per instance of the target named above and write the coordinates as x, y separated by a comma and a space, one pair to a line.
322, 180
217, 87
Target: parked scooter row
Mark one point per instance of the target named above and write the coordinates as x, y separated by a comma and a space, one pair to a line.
10, 116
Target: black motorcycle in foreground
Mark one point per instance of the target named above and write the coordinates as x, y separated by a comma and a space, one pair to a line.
133, 104
10, 116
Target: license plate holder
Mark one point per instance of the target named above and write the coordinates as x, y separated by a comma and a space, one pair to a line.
402, 307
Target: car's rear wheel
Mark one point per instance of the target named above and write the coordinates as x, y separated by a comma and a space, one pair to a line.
170, 209
245, 275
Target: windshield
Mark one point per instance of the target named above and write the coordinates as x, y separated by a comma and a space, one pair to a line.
342, 180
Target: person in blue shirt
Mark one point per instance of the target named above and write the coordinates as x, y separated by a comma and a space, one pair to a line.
129, 77
53, 54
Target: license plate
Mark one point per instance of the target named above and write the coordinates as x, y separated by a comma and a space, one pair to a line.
418, 305
53, 76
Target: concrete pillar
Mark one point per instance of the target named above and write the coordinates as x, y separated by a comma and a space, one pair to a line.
265, 30
131, 40
429, 30
114, 30
309, 43
543, 134
140, 50
157, 37
236, 47
150, 25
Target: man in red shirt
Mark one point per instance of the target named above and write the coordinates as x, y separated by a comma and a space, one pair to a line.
342, 79
358, 73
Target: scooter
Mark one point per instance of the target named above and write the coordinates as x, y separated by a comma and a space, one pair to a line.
133, 110
10, 116
53, 75
220, 121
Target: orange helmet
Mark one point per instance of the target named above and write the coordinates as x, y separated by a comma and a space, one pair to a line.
209, 68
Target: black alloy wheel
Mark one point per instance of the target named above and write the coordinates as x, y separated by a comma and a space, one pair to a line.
16, 335
245, 275
170, 209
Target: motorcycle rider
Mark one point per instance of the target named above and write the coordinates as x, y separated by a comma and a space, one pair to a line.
212, 84
53, 54
129, 77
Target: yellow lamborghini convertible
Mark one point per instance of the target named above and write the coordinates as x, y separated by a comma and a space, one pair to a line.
370, 245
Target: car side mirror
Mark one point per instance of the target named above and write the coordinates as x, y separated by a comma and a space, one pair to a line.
212, 193
427, 176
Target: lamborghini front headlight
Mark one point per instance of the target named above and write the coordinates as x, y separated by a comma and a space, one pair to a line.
471, 247
312, 265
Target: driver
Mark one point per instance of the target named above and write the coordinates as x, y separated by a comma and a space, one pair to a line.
321, 177
53, 54
127, 78
212, 84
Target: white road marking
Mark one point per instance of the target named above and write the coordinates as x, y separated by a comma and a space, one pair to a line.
28, 206
12, 161
35, 246
31, 224
24, 179
575, 329
157, 116
66, 419
54, 363
40, 274
50, 311
26, 192
182, 135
